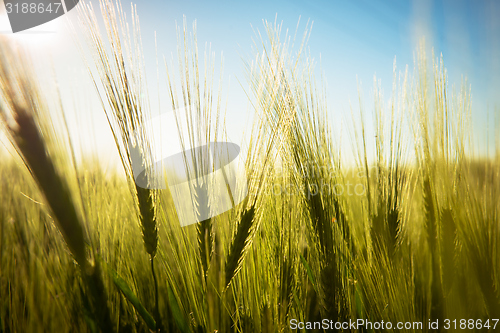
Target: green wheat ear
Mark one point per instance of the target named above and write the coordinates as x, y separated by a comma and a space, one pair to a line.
148, 220
29, 134
240, 244
27, 109
121, 75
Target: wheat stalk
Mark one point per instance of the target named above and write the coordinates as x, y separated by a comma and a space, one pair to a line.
121, 73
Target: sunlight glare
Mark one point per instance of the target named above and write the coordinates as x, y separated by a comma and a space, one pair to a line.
41, 37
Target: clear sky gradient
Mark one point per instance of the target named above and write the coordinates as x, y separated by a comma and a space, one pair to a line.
353, 39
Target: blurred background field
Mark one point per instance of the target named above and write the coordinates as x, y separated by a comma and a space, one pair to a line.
405, 230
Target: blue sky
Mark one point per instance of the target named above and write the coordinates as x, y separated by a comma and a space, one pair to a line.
354, 39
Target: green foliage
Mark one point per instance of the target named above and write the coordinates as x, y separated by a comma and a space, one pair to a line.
129, 294
419, 243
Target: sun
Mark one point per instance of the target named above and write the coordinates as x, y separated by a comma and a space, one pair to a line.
43, 36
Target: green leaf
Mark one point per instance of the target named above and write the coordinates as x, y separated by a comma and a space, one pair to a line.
309, 271
130, 296
87, 312
176, 311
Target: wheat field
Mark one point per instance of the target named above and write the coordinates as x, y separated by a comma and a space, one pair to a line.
411, 236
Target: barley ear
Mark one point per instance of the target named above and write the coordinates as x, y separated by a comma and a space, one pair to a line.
26, 132
239, 246
148, 220
204, 228
32, 147
23, 103
205, 242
